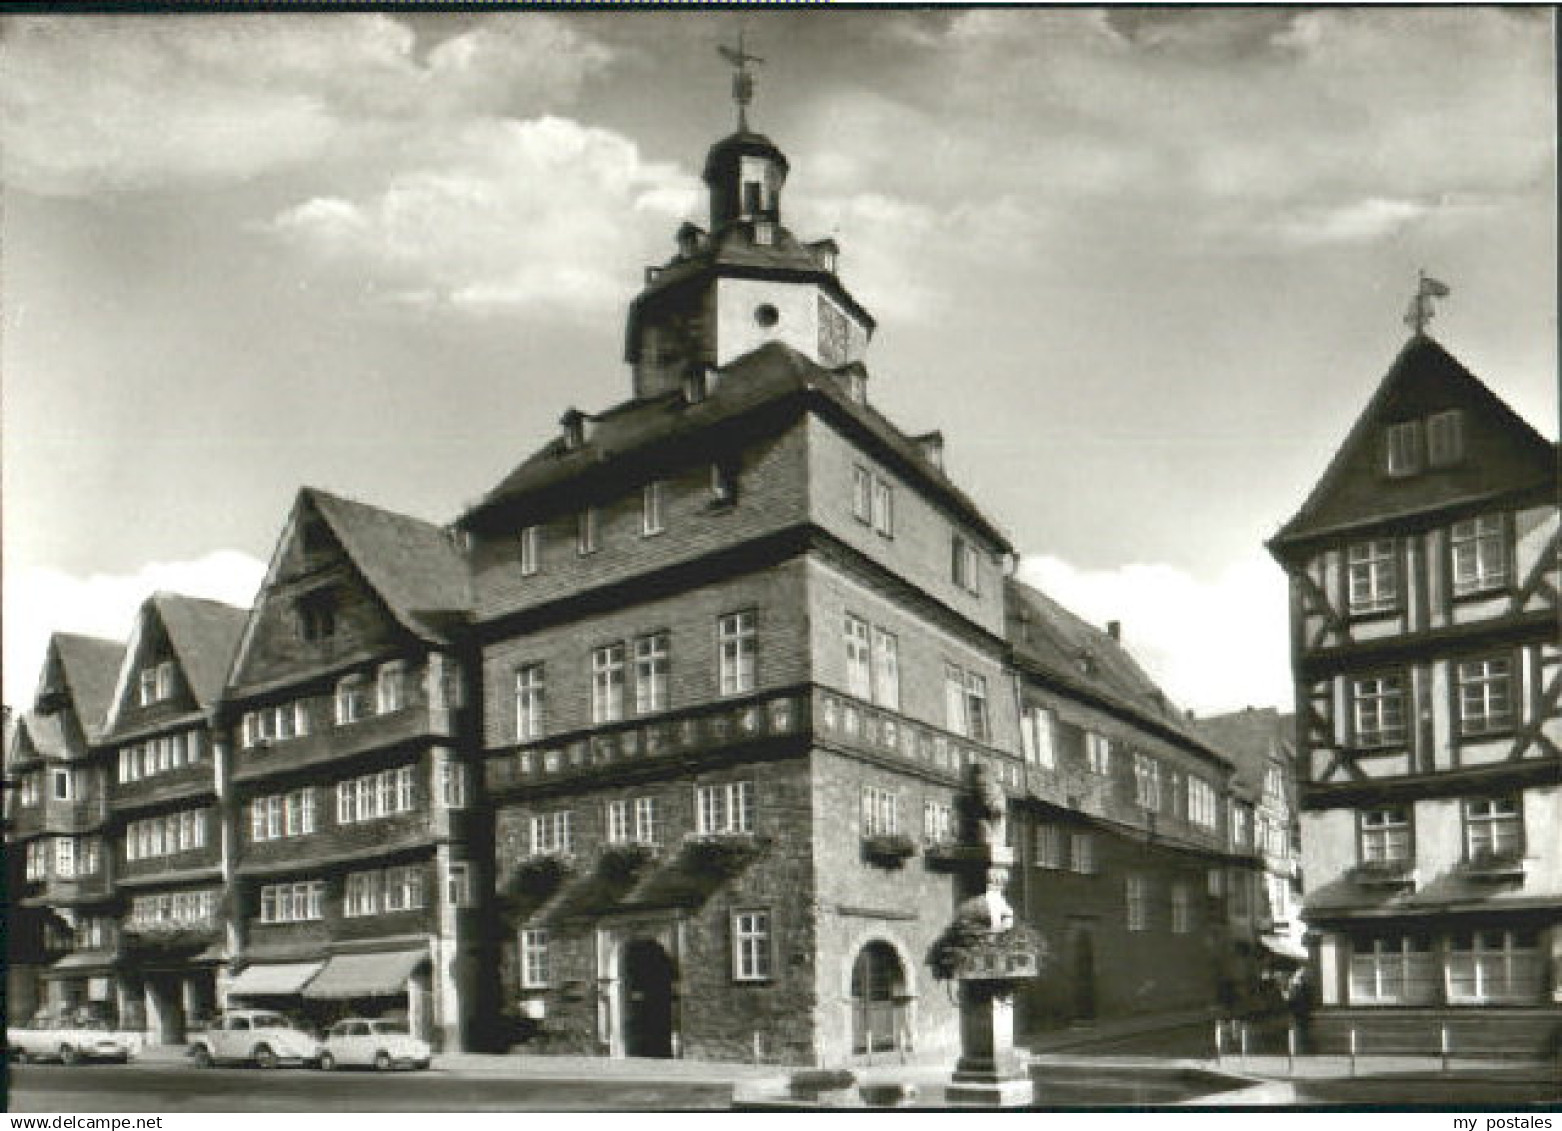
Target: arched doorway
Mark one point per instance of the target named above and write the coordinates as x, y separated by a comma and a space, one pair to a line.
1084, 974
878, 998
648, 976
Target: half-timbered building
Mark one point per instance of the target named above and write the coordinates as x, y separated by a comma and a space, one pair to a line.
353, 871
1424, 614
165, 790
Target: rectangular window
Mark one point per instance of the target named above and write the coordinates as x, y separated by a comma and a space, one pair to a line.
859, 663
62, 785
1050, 848
607, 684
978, 725
954, 699
751, 946
352, 700
1181, 909
586, 531
648, 822
531, 550
1479, 549
1036, 737
1485, 696
405, 796
1493, 828
530, 702
1373, 575
652, 667
452, 784
736, 642
1393, 970
1403, 443
651, 520
64, 857
1201, 802
883, 507
938, 822
346, 803
404, 888
964, 565
726, 808
1445, 438
553, 832
362, 894
1496, 966
618, 822
147, 687
862, 495
1098, 753
1138, 895
1082, 854
166, 675
390, 690
1147, 781
886, 669
879, 815
1379, 704
534, 959
458, 884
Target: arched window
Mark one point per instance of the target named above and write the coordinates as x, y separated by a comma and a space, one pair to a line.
879, 999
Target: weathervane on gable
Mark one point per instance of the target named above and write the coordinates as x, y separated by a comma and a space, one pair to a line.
742, 81
1420, 312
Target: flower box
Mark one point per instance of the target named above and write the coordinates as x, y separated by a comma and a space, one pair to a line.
721, 854
888, 849
542, 874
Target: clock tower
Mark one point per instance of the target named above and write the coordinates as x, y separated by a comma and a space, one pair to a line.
747, 280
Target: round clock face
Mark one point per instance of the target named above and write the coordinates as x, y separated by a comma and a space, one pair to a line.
766, 315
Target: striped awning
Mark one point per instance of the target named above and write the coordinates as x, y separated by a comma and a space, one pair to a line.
274, 978
366, 975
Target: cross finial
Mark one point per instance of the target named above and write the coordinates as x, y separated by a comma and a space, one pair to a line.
742, 81
1420, 312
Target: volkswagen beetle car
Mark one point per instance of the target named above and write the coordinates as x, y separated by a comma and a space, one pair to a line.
382, 1045
71, 1042
254, 1036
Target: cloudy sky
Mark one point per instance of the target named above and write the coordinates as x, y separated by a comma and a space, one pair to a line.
1142, 267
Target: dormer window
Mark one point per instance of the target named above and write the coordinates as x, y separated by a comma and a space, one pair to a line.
764, 233
573, 424
1403, 448
155, 683
694, 385
724, 482
857, 386
148, 687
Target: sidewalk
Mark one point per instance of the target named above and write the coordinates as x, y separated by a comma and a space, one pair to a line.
559, 1067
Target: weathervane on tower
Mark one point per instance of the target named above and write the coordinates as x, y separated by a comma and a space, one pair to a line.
1420, 312
742, 81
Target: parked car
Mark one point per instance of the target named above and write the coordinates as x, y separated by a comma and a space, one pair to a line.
373, 1044
254, 1036
70, 1042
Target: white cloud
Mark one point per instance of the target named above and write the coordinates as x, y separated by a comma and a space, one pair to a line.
105, 104
1211, 645
40, 601
547, 213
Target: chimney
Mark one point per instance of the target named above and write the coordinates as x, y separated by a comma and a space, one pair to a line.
1114, 629
932, 445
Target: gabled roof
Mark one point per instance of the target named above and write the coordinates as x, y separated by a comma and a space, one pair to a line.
1250, 738
413, 565
43, 733
204, 635
772, 375
1051, 641
1505, 453
91, 666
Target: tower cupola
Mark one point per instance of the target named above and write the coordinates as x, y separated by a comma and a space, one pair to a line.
745, 172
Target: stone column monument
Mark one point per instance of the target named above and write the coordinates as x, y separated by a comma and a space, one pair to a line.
989, 1073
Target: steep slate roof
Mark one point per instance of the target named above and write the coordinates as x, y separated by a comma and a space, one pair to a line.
44, 733
91, 669
1248, 738
772, 375
1048, 639
1423, 379
204, 635
413, 565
